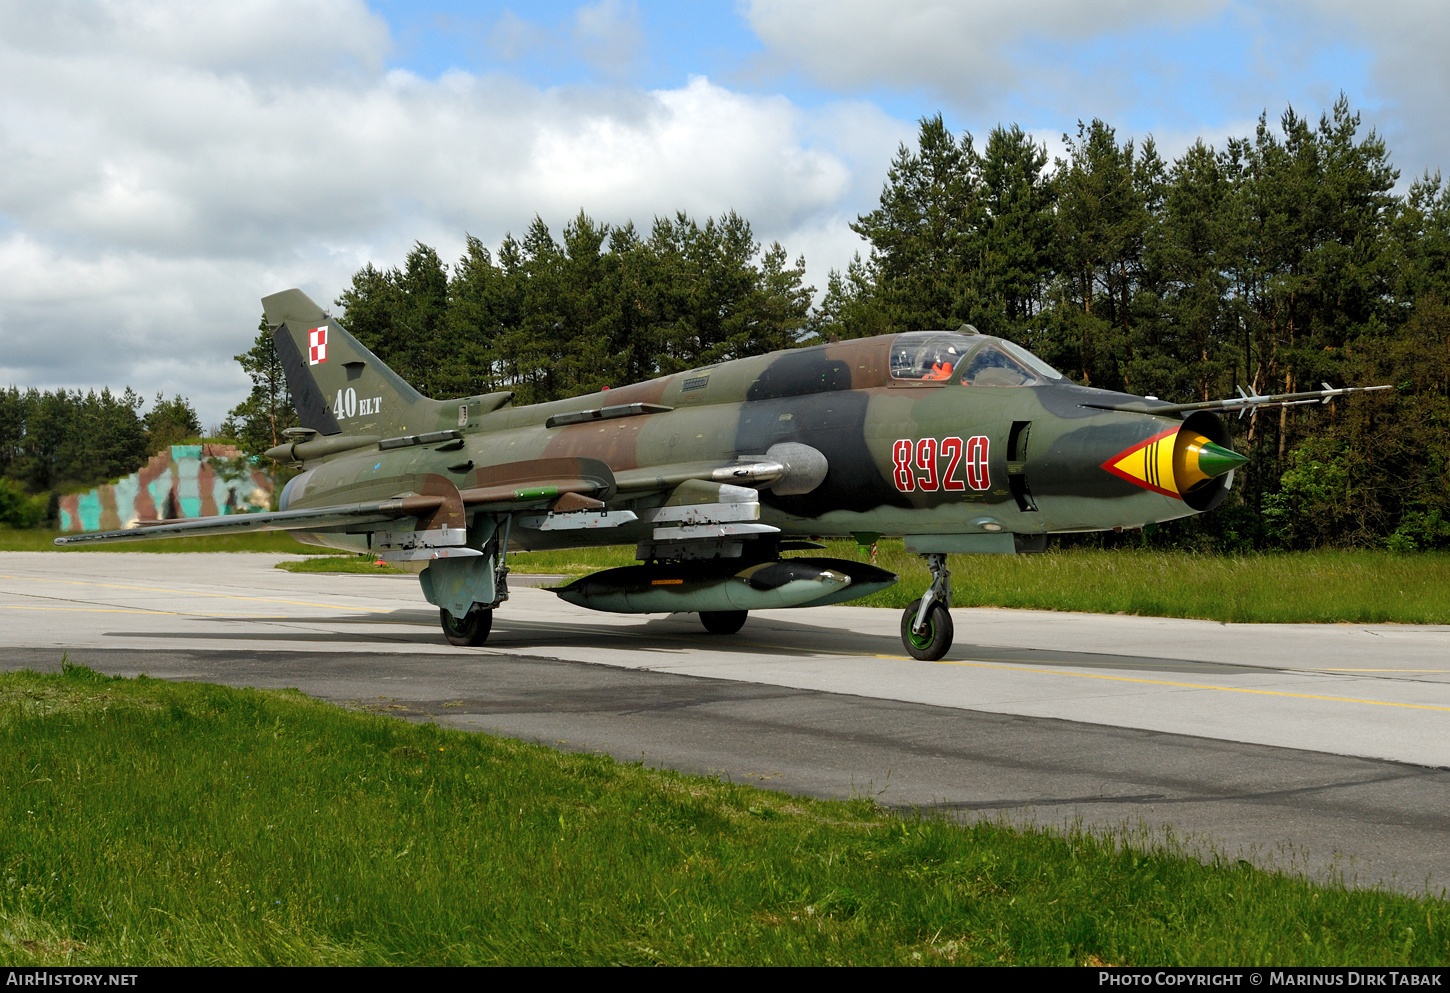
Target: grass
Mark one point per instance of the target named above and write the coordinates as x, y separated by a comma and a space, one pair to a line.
39, 540
154, 823
361, 564
572, 561
1277, 587
1283, 587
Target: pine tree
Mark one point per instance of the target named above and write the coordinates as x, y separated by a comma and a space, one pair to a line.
170, 422
13, 410
258, 421
1015, 248
921, 235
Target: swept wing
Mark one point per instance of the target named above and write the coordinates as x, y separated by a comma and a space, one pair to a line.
376, 511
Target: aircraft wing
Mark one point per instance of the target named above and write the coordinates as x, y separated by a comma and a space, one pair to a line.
280, 520
564, 483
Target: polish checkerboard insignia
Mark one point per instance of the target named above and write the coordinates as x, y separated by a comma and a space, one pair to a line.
317, 345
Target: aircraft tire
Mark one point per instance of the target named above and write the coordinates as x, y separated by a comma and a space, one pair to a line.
934, 640
723, 621
470, 632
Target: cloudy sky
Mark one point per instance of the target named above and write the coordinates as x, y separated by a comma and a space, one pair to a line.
165, 164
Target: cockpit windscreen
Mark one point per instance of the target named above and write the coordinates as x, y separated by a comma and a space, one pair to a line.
1001, 363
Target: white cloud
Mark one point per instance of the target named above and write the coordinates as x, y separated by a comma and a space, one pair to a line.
967, 49
1408, 41
512, 37
124, 318
1047, 62
608, 35
299, 38
161, 173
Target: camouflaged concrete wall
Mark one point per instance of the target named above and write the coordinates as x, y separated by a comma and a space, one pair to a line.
186, 481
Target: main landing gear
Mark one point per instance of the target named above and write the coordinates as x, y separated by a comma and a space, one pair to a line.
470, 632
926, 626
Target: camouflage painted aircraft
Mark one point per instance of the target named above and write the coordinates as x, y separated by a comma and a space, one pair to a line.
955, 441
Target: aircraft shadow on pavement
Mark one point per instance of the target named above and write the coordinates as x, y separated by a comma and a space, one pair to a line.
675, 634
335, 638
814, 641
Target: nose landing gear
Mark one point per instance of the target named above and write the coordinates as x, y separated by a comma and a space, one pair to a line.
926, 626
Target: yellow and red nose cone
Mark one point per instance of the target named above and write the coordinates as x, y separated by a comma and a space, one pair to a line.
1173, 462
1197, 459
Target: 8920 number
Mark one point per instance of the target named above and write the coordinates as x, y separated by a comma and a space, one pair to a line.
928, 464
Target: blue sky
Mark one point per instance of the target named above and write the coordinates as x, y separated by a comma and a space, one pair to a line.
1198, 75
164, 165
677, 40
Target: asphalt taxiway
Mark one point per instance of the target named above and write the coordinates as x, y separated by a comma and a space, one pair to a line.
1315, 747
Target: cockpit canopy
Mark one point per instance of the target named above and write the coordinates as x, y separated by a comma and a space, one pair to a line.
973, 359
930, 355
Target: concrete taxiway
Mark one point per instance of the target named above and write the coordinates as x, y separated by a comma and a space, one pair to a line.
1308, 745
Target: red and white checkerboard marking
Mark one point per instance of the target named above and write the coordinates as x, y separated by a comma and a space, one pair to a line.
317, 345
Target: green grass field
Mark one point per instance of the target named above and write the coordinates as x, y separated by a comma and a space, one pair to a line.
1281, 587
154, 823
256, 541
364, 565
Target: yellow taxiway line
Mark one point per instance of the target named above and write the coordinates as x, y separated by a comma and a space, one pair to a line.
1188, 686
137, 610
223, 596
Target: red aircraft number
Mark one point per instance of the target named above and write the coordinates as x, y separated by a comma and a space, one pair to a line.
919, 465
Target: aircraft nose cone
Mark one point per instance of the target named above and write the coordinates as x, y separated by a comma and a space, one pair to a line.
1198, 459
1215, 460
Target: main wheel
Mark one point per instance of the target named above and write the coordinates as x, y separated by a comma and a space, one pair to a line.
723, 621
470, 632
935, 637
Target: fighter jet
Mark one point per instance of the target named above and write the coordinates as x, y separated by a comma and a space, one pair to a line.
955, 441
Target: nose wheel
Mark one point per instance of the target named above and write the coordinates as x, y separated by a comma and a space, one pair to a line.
926, 625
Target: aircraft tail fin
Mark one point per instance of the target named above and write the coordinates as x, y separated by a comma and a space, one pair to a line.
338, 386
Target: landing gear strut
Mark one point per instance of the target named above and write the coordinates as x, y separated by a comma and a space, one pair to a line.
926, 626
